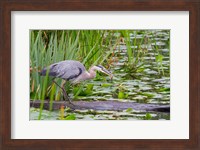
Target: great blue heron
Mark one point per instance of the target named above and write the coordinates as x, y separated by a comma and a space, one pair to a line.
72, 71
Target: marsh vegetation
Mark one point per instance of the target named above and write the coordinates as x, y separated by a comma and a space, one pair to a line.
139, 60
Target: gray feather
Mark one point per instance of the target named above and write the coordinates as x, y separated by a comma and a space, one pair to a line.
67, 70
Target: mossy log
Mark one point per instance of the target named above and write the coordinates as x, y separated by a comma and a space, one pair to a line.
102, 105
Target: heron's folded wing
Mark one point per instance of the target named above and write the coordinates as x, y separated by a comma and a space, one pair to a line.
66, 71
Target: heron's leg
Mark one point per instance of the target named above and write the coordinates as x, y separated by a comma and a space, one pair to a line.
64, 92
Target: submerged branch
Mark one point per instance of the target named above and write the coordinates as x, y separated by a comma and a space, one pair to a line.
104, 105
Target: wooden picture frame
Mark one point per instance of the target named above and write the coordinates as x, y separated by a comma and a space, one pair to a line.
193, 6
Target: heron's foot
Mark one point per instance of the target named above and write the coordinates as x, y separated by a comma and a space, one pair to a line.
66, 98
71, 103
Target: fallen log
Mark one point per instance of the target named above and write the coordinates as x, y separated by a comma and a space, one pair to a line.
102, 105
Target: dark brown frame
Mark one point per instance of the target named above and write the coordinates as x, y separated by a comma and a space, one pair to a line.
193, 6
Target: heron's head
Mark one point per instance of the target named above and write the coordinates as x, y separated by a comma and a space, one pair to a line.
104, 70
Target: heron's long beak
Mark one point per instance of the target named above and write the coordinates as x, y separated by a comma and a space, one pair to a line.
107, 72
104, 70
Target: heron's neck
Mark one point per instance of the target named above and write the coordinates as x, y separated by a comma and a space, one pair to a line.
85, 76
91, 73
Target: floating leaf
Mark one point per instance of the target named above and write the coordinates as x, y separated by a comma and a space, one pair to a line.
163, 89
71, 117
106, 85
149, 95
140, 69
121, 95
159, 58
90, 87
129, 110
148, 116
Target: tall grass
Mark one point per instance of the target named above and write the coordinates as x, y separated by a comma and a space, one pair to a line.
90, 47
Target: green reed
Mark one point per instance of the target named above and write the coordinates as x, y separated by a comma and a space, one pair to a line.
51, 46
